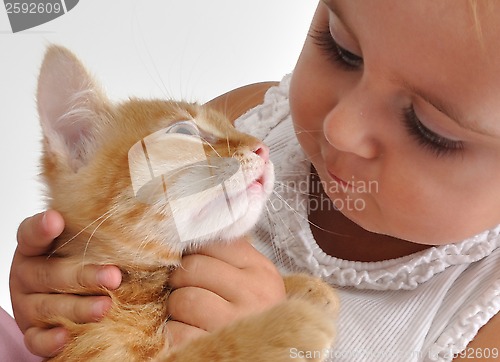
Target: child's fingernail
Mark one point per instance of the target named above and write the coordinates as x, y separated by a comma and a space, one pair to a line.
102, 276
100, 308
44, 220
107, 278
61, 337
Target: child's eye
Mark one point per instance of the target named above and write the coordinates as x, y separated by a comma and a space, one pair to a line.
439, 145
341, 56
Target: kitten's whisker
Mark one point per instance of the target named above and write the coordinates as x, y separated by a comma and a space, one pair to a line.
279, 256
210, 145
81, 231
159, 188
187, 167
93, 232
284, 185
163, 88
310, 133
277, 220
297, 213
142, 245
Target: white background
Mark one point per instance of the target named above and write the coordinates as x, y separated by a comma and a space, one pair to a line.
194, 49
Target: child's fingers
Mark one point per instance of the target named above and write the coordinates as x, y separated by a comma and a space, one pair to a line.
184, 305
39, 308
224, 283
180, 333
34, 276
222, 268
28, 286
39, 275
198, 271
36, 233
45, 342
239, 253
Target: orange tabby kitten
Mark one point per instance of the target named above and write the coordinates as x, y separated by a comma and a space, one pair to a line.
140, 183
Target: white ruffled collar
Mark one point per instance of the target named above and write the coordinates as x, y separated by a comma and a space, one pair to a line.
297, 241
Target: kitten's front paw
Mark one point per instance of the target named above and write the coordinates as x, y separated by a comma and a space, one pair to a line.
295, 330
306, 287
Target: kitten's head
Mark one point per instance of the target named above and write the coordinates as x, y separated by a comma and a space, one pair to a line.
143, 180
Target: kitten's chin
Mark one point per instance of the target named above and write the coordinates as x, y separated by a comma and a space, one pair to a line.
232, 232
222, 224
247, 205
225, 213
242, 225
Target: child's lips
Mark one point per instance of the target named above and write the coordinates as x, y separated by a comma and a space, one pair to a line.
332, 160
345, 185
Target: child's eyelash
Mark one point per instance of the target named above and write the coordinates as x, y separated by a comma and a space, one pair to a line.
439, 145
342, 57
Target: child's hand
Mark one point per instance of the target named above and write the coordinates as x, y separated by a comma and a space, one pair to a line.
214, 287
219, 285
36, 283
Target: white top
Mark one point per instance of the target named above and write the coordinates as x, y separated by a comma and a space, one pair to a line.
423, 307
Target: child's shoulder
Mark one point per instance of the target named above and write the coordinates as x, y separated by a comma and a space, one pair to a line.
485, 344
237, 101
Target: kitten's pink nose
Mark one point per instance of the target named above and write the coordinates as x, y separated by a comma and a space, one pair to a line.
263, 151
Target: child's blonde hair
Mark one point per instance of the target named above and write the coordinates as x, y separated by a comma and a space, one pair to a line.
475, 12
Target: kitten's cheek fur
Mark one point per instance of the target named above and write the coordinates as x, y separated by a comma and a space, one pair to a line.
246, 207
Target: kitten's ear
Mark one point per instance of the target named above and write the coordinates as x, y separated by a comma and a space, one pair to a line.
70, 106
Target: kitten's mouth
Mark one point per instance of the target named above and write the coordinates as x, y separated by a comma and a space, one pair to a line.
260, 182
257, 187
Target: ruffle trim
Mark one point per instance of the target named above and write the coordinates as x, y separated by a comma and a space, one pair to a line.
456, 338
407, 272
260, 120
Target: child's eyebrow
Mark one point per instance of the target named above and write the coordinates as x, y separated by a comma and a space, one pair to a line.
335, 9
331, 5
447, 109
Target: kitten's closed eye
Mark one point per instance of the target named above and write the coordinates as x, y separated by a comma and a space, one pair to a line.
184, 127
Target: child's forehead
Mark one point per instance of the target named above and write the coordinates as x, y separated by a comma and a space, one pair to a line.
475, 19
448, 49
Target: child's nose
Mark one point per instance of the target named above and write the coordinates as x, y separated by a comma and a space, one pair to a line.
350, 129
262, 151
